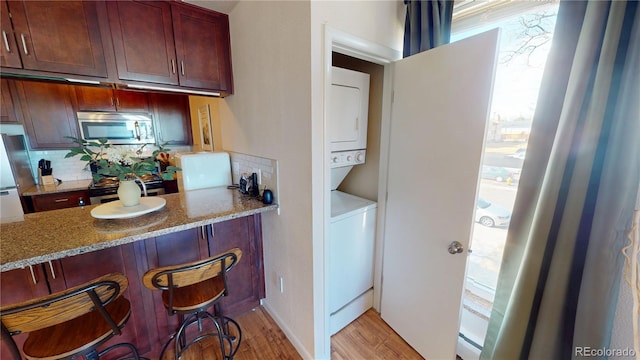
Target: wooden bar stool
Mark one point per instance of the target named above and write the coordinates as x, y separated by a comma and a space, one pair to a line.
188, 290
70, 323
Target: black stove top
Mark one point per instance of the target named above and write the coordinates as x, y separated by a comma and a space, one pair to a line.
109, 185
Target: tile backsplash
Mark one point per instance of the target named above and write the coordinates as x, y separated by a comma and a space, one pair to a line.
73, 168
267, 170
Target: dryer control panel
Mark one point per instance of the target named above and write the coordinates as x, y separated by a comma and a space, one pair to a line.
347, 158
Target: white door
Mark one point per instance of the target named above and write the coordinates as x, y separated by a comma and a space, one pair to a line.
440, 109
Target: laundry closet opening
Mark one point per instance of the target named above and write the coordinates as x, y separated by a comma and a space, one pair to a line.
354, 117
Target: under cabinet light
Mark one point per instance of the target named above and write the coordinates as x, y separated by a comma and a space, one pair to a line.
92, 82
145, 87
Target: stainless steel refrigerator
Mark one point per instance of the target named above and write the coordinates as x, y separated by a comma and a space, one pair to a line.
15, 177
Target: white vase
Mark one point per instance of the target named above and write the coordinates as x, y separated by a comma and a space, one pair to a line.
129, 192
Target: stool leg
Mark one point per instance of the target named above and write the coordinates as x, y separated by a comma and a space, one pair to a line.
93, 355
234, 341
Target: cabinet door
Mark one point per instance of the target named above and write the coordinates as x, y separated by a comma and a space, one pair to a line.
104, 99
202, 48
9, 56
131, 101
20, 285
23, 284
7, 110
59, 36
48, 114
171, 249
177, 248
173, 118
246, 279
85, 267
95, 99
143, 41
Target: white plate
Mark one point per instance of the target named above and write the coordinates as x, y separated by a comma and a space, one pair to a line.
115, 209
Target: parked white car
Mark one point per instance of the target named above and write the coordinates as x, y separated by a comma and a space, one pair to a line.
491, 215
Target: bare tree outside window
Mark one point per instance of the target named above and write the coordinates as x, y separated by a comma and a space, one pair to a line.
535, 31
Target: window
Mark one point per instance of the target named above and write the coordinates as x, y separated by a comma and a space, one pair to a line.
524, 45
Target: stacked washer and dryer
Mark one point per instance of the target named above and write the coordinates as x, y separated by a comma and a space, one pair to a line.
353, 219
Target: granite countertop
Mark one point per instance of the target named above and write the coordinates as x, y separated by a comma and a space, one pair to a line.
63, 186
56, 234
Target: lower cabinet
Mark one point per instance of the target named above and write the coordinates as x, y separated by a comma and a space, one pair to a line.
149, 325
61, 200
20, 285
245, 280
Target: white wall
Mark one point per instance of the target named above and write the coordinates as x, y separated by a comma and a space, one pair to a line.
269, 115
277, 111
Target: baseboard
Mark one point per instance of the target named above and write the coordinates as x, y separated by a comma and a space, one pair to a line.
350, 312
287, 332
467, 351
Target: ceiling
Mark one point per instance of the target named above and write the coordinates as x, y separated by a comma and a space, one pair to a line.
223, 6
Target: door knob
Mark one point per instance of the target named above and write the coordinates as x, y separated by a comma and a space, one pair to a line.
455, 248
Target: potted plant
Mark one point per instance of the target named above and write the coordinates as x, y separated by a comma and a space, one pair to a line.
123, 162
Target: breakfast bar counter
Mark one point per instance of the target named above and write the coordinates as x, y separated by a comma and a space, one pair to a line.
56, 250
52, 235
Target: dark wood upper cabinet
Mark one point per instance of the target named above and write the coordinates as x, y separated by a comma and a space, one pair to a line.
48, 111
202, 48
59, 36
173, 121
142, 36
104, 99
171, 43
7, 108
166, 44
9, 56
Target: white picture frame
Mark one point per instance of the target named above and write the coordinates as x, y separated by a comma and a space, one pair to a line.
206, 133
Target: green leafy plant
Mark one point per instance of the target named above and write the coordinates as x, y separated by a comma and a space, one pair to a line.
123, 162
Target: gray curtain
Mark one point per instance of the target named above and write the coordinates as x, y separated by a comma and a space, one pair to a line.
427, 25
561, 269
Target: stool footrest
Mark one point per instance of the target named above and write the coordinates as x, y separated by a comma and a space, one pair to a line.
226, 330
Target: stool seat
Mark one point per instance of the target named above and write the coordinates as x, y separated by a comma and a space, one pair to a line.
72, 323
77, 335
196, 296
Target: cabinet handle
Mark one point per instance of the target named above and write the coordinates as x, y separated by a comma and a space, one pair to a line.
24, 44
61, 200
53, 273
113, 102
203, 232
182, 67
173, 66
3, 193
117, 102
6, 41
136, 128
33, 275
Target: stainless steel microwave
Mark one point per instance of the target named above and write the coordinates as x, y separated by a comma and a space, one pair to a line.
117, 128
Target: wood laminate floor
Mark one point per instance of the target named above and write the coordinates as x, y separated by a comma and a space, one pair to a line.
368, 337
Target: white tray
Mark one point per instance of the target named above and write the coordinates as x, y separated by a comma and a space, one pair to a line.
115, 209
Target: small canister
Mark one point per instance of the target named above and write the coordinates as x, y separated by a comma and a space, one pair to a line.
267, 196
